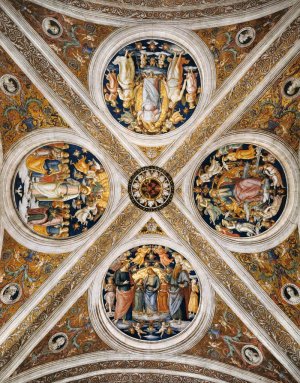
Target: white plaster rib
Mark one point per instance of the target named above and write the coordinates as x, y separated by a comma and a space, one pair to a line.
245, 105
72, 81
204, 22
15, 321
50, 95
43, 330
234, 78
104, 356
245, 317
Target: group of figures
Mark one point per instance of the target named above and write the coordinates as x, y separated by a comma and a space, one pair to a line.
240, 190
152, 87
61, 190
151, 293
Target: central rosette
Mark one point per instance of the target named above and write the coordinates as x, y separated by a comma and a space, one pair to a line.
151, 188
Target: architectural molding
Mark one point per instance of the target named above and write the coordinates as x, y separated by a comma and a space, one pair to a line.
279, 44
124, 36
83, 361
70, 79
33, 302
120, 15
232, 289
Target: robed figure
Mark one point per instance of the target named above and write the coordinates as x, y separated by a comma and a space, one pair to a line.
151, 285
124, 293
179, 293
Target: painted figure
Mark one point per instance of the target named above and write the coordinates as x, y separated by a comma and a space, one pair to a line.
126, 78
152, 300
151, 285
124, 293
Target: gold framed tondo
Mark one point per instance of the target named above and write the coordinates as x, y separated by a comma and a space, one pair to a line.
151, 293
240, 190
60, 190
152, 86
291, 293
58, 342
10, 85
11, 293
52, 27
291, 88
245, 37
252, 355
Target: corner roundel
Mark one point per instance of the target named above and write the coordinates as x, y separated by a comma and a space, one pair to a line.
60, 190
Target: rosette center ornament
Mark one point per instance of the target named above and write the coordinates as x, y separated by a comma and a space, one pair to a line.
151, 188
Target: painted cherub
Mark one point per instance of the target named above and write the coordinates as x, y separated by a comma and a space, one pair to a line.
110, 294
163, 256
162, 329
141, 253
138, 330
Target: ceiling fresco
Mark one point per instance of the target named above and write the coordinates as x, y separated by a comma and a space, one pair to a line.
27, 269
152, 87
25, 110
240, 190
226, 50
74, 42
151, 293
77, 329
275, 111
149, 191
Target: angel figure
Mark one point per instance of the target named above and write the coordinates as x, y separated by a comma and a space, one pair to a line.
138, 330
174, 85
125, 78
141, 253
112, 87
163, 256
162, 329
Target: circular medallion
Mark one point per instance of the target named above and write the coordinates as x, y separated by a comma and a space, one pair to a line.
152, 86
58, 342
245, 37
252, 355
151, 293
151, 188
60, 190
52, 27
291, 87
11, 293
291, 293
240, 190
10, 85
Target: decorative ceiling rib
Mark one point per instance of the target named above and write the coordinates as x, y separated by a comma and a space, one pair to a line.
248, 309
194, 18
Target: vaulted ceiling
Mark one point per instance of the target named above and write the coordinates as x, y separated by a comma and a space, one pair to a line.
154, 141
